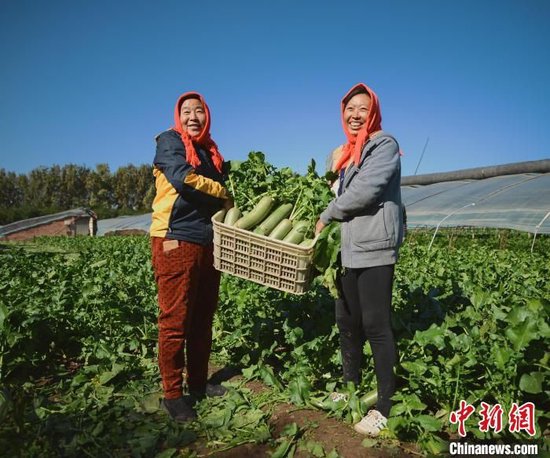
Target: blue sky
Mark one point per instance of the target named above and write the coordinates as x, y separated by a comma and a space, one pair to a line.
94, 82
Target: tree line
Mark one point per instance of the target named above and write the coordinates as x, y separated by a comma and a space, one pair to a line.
46, 190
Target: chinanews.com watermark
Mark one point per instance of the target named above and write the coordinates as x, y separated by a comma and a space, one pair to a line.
521, 419
464, 448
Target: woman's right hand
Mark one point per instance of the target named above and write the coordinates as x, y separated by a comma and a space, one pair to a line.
228, 203
319, 227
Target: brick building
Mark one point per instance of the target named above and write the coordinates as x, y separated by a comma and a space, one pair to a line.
79, 221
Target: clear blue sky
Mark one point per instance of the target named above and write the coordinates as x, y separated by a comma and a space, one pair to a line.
95, 81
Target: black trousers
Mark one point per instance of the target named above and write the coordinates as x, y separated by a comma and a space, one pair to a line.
364, 314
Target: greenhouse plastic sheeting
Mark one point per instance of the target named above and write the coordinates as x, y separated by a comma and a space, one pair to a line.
124, 223
520, 202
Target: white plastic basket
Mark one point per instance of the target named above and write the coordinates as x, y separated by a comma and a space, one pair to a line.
273, 263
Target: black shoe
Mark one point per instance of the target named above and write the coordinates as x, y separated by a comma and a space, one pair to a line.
210, 390
179, 409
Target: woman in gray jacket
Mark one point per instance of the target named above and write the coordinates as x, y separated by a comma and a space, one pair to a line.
368, 206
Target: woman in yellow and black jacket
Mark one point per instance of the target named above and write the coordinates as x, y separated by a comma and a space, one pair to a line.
189, 177
189, 181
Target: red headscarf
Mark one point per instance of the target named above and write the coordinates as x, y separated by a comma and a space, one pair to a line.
352, 149
203, 139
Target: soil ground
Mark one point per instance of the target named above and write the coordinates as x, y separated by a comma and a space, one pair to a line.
331, 433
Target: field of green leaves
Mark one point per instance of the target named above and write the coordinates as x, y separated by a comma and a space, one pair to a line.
78, 373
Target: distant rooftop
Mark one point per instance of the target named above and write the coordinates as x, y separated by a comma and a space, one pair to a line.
41, 220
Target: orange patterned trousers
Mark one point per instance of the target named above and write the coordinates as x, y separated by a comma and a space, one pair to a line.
188, 287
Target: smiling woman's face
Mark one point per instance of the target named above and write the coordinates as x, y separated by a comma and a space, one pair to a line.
192, 116
356, 112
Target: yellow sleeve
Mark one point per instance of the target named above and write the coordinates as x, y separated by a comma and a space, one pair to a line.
206, 185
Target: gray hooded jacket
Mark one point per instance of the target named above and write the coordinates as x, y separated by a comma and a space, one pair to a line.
369, 206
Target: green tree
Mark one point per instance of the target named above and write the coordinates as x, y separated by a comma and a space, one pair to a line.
146, 187
131, 185
36, 192
99, 186
11, 194
73, 186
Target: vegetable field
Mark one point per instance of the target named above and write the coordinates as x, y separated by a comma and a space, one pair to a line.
78, 369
